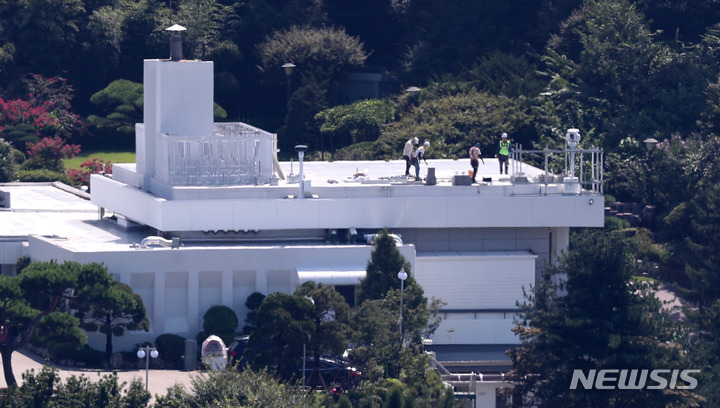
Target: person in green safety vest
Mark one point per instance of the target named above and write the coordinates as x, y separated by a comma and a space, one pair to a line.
503, 152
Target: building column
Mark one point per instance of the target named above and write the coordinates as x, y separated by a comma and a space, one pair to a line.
559, 244
193, 302
159, 317
261, 281
226, 288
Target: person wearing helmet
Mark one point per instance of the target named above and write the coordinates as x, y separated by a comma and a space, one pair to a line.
475, 157
417, 156
408, 153
503, 152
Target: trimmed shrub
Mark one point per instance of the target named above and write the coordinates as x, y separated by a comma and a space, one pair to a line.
60, 351
42, 175
171, 348
221, 321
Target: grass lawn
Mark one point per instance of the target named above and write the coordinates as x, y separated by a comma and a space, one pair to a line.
644, 278
114, 157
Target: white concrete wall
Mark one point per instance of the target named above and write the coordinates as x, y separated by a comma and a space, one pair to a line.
487, 285
447, 211
486, 393
180, 97
490, 280
178, 100
179, 285
489, 330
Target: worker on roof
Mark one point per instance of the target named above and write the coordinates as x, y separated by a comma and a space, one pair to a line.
475, 157
503, 152
408, 153
417, 156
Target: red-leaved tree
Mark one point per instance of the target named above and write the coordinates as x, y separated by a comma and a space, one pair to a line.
44, 112
88, 167
49, 152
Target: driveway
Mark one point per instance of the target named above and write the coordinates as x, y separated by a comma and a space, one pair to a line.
158, 380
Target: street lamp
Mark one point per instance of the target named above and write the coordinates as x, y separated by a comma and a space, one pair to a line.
402, 275
305, 340
413, 93
147, 352
650, 144
288, 67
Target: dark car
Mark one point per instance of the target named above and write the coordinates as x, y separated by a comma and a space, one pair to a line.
330, 374
236, 350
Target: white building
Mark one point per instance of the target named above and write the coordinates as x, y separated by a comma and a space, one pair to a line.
242, 223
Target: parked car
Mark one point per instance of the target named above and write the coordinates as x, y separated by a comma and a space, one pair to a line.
237, 349
334, 373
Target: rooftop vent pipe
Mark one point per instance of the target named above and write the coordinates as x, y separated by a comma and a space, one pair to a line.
176, 42
301, 149
154, 240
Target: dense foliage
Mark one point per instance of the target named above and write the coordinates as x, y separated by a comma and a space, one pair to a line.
620, 71
36, 305
221, 321
589, 313
113, 311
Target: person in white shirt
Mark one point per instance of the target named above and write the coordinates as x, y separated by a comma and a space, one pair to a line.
475, 157
408, 153
417, 156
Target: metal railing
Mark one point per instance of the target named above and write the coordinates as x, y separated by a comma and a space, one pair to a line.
582, 166
236, 154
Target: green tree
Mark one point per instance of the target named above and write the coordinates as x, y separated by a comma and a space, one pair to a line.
385, 15
313, 50
454, 116
698, 241
507, 74
388, 339
300, 124
330, 332
121, 103
447, 38
252, 303
47, 389
43, 34
610, 77
221, 321
33, 304
231, 388
382, 270
8, 162
112, 312
704, 350
604, 319
204, 20
283, 324
361, 121
322, 56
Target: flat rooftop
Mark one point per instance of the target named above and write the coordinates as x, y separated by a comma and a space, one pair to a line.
57, 211
350, 172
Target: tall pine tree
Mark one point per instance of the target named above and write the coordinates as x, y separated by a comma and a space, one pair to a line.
598, 317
